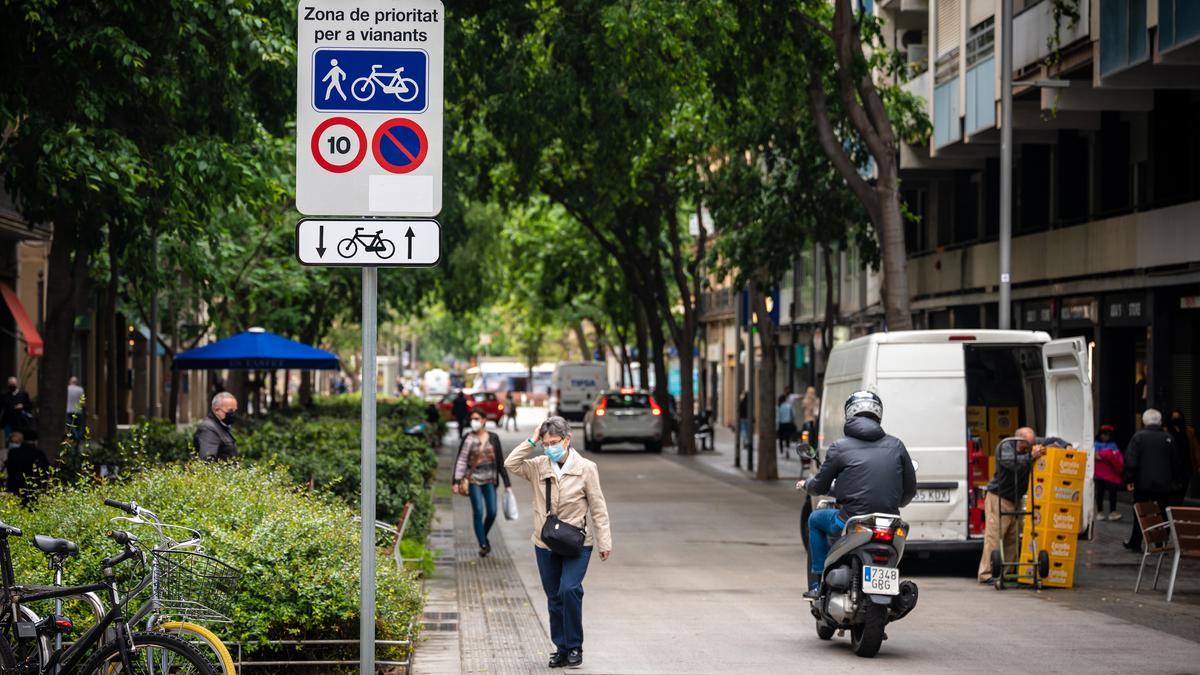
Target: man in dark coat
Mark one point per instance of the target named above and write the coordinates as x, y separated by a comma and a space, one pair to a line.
25, 466
1153, 470
461, 412
214, 438
16, 408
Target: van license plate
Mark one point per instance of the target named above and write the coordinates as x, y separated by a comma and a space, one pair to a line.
932, 497
881, 580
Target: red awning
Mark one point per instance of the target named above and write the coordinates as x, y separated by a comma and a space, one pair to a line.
33, 341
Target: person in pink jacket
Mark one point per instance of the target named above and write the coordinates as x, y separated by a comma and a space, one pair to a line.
1110, 466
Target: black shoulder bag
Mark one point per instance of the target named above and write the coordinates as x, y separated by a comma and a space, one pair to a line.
560, 537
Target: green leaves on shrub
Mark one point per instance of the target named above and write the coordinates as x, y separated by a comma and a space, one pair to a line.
297, 548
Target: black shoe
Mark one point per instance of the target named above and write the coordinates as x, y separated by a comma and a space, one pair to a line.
557, 660
812, 594
575, 658
485, 550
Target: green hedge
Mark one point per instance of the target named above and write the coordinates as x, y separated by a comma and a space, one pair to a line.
325, 452
297, 548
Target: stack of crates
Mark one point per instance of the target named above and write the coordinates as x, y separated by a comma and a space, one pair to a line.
1057, 513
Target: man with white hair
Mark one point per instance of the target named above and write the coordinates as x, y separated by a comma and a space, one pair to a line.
214, 437
1152, 471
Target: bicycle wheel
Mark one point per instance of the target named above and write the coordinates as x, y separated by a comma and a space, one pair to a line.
153, 654
204, 641
347, 247
413, 90
389, 249
363, 89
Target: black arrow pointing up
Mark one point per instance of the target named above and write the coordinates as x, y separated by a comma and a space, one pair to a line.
409, 236
321, 243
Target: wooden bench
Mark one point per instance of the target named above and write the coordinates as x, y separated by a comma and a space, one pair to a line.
1185, 538
1156, 534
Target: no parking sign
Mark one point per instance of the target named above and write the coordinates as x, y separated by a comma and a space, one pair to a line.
369, 104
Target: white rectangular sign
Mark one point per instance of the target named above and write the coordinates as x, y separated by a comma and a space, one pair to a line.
369, 243
369, 107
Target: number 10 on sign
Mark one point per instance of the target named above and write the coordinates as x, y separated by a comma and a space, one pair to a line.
339, 144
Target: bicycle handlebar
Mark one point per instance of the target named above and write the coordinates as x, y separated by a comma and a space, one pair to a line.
9, 529
128, 507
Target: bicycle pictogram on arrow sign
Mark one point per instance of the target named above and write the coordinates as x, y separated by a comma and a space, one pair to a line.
400, 145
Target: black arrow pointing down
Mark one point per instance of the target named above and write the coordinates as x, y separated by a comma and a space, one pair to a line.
321, 243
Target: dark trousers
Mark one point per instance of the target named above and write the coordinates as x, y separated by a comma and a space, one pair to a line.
1103, 488
562, 580
483, 508
1163, 499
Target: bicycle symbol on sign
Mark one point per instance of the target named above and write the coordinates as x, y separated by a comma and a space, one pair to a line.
404, 88
384, 248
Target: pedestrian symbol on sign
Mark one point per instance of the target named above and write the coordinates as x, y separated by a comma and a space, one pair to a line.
335, 77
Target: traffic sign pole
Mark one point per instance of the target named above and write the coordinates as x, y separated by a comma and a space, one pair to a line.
366, 625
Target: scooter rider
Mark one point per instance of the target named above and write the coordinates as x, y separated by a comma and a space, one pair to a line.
874, 475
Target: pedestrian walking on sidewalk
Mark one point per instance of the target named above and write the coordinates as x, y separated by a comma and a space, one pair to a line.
1153, 470
566, 499
743, 413
1110, 467
1187, 447
785, 417
461, 411
510, 411
477, 474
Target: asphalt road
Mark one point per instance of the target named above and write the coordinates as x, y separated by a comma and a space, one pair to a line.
707, 573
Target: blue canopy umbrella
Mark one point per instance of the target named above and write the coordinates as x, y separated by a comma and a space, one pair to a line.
256, 349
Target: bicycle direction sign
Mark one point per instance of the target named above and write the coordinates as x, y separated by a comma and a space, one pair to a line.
369, 243
369, 75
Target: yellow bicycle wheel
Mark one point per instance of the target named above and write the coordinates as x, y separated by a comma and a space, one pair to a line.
203, 640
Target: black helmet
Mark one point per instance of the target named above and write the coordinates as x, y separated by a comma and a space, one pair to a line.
864, 403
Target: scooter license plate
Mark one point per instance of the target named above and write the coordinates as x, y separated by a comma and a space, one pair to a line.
881, 580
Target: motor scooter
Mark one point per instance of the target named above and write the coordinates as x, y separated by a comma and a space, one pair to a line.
860, 588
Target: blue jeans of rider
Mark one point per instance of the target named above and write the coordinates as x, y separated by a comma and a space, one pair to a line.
483, 507
562, 580
824, 526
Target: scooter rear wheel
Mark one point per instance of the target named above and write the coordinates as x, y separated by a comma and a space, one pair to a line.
867, 637
824, 630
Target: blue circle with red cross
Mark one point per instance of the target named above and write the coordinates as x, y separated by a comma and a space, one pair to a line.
400, 145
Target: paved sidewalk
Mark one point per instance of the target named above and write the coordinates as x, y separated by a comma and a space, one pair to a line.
478, 616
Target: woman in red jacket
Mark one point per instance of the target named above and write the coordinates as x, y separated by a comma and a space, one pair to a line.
1110, 465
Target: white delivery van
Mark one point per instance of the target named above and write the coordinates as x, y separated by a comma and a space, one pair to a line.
573, 387
436, 382
927, 379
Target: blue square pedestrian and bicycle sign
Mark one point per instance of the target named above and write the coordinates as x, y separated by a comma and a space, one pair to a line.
370, 80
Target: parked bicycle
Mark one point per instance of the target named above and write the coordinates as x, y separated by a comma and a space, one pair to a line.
110, 647
384, 248
187, 587
404, 88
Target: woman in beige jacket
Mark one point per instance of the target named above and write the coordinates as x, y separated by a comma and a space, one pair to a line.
576, 499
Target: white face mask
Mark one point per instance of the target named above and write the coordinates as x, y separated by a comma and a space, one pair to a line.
476, 425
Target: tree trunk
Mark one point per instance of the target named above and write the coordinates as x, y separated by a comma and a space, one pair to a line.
768, 467
66, 283
687, 402
643, 344
581, 337
895, 258
115, 337
830, 308
306, 388
176, 382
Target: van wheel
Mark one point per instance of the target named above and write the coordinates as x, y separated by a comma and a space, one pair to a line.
653, 446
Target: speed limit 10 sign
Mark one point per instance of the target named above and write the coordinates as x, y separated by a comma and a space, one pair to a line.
369, 108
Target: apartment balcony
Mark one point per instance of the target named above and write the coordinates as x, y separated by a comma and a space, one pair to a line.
1033, 29
1148, 44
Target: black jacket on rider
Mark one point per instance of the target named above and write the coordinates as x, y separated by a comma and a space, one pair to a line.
873, 470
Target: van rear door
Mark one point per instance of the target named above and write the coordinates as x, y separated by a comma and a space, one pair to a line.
1069, 405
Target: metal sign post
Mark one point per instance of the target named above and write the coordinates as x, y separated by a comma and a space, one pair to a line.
366, 599
369, 108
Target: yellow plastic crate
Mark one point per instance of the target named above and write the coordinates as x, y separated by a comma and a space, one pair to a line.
1059, 490
1061, 463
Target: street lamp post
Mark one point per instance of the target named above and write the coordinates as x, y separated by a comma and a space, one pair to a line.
1006, 124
